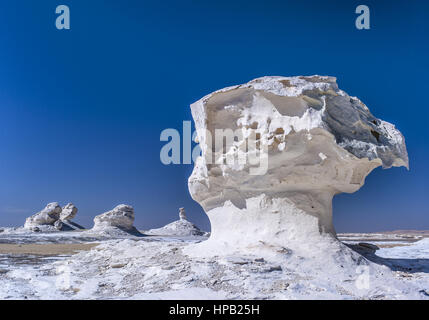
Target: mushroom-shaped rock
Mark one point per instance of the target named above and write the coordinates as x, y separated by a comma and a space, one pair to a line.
274, 153
47, 217
68, 212
121, 217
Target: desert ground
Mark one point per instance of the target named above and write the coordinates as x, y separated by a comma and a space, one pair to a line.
75, 266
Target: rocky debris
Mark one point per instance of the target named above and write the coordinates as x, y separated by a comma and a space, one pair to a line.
69, 212
181, 227
47, 217
296, 142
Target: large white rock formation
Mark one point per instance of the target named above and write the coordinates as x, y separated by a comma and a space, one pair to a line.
47, 217
310, 141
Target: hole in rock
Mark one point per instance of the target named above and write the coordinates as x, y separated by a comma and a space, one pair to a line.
279, 131
376, 135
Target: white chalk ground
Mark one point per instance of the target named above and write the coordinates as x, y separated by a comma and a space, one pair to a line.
156, 268
418, 250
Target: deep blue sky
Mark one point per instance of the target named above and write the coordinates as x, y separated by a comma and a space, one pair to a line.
81, 111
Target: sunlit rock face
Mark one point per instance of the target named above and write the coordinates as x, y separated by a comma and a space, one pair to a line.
313, 140
68, 212
47, 217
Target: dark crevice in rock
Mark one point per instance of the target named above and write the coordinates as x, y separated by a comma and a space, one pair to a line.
376, 135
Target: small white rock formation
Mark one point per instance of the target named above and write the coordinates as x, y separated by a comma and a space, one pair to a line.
315, 140
182, 214
68, 212
47, 217
121, 218
181, 228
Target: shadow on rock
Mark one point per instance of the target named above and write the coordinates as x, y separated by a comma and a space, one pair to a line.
395, 264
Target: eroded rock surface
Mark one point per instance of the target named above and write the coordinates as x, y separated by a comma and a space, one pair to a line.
312, 141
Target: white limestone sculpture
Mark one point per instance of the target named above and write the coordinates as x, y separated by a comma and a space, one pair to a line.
314, 141
68, 212
181, 227
120, 218
47, 217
